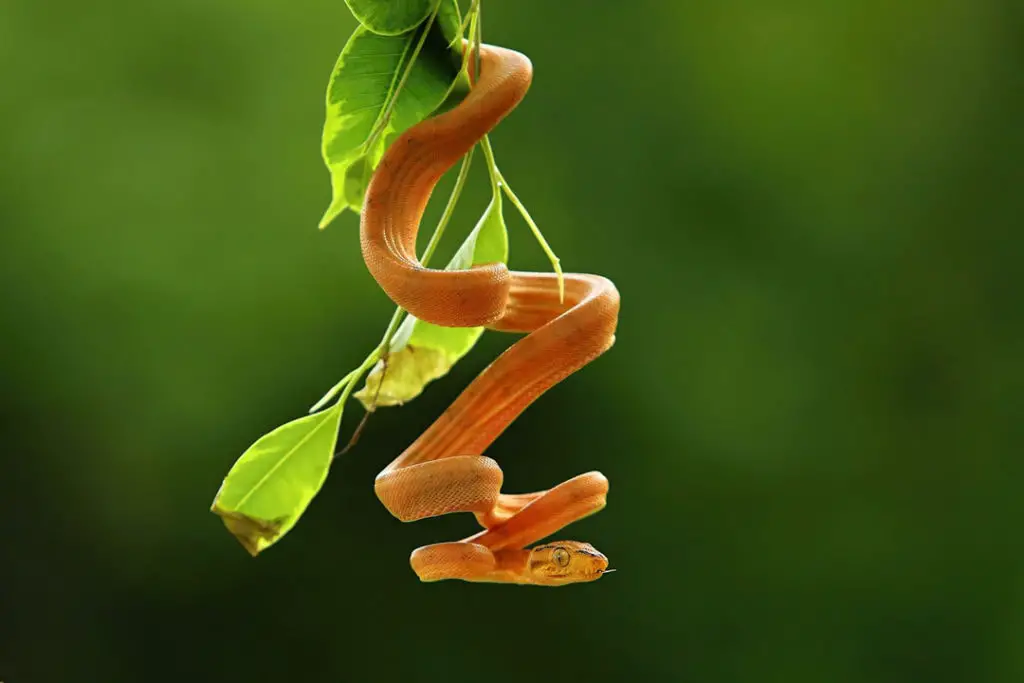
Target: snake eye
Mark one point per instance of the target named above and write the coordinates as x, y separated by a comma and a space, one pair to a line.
561, 557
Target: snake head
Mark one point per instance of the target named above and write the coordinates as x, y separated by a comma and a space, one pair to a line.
562, 562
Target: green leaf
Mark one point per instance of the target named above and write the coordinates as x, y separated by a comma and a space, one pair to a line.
270, 486
422, 352
357, 177
362, 85
390, 17
349, 184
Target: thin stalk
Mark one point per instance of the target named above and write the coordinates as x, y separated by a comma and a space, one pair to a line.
370, 361
466, 20
333, 391
498, 180
478, 37
352, 440
492, 167
538, 235
449, 209
467, 55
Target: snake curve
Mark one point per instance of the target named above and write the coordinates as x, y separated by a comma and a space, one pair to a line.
444, 470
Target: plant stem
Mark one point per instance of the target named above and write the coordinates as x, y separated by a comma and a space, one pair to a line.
555, 261
476, 31
492, 167
498, 180
333, 391
449, 209
467, 19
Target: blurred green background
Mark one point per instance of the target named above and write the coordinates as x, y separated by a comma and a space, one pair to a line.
811, 419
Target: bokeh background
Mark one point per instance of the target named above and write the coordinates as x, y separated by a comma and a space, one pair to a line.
811, 419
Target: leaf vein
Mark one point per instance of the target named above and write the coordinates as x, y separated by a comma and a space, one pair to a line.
279, 463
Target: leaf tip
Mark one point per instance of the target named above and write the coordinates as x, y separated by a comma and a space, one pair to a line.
337, 207
327, 219
255, 535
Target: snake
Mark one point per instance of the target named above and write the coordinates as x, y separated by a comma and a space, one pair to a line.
565, 326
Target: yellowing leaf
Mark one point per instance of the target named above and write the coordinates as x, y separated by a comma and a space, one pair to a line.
408, 370
272, 483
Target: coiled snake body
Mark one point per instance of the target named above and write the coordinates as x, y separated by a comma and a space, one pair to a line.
443, 471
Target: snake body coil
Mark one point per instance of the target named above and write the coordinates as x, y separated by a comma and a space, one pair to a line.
443, 471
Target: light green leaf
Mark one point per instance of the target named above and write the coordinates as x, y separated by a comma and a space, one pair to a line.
363, 83
488, 241
422, 352
349, 184
270, 486
390, 17
357, 177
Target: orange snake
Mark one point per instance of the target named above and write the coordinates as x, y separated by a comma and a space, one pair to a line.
442, 471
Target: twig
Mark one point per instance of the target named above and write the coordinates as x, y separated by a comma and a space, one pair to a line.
366, 416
